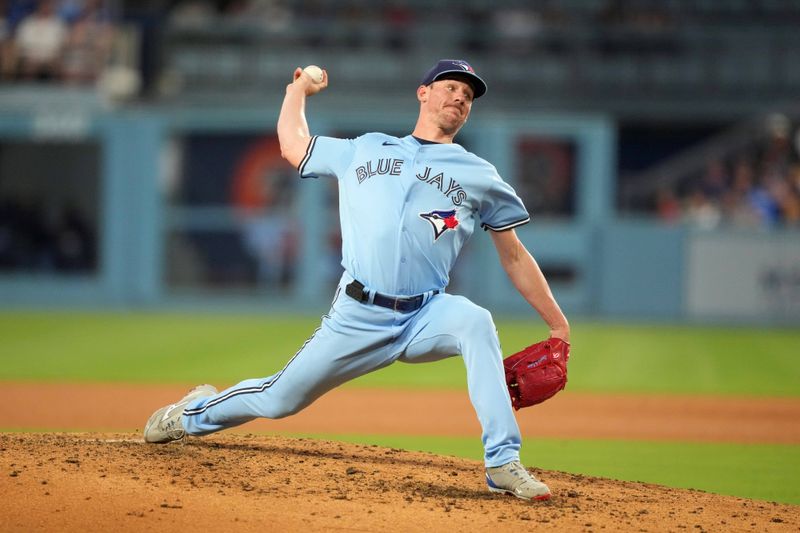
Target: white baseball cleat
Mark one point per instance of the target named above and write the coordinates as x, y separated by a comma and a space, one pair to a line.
512, 478
165, 424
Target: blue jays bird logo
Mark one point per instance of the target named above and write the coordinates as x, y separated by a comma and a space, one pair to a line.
466, 66
441, 221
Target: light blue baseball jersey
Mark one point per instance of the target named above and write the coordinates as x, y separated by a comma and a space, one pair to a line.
407, 208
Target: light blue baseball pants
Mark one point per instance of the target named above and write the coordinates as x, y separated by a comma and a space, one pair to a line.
357, 338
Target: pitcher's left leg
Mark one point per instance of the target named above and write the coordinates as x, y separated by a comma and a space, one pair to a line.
449, 325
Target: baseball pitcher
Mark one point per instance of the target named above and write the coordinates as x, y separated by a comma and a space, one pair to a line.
407, 207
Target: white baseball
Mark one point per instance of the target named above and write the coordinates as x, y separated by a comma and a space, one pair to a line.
315, 72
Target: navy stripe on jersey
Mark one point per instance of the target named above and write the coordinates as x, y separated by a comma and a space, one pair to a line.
263, 386
249, 390
309, 149
506, 226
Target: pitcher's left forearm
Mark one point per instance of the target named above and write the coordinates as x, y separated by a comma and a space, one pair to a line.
526, 276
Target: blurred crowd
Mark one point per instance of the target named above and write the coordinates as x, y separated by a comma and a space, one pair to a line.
319, 23
45, 40
516, 17
759, 187
71, 39
509, 26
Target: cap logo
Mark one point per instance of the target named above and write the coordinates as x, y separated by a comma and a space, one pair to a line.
465, 66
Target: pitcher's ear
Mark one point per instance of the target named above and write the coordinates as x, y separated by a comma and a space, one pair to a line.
422, 93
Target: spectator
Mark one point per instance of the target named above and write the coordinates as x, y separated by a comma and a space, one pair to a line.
701, 212
791, 205
17, 10
793, 178
668, 208
6, 44
70, 10
777, 152
39, 42
787, 202
715, 180
738, 204
88, 45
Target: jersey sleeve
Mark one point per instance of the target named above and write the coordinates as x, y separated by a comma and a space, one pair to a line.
327, 157
501, 209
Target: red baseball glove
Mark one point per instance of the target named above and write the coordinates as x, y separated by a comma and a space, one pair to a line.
537, 373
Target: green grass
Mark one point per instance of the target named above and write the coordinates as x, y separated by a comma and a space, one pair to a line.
225, 348
184, 348
764, 472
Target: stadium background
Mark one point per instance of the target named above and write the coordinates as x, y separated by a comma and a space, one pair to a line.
652, 142
147, 221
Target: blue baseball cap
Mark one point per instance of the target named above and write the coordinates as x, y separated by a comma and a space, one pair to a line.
455, 69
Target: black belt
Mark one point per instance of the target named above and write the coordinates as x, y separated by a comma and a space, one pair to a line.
355, 290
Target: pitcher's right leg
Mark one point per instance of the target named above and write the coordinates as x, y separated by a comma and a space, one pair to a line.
350, 342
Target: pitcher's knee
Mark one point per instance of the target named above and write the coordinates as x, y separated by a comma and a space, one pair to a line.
474, 318
275, 408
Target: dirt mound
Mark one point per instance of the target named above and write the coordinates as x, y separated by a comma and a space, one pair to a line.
105, 482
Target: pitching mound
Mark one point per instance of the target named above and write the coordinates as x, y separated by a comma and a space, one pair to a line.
105, 482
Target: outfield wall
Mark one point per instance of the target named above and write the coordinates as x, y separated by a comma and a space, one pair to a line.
183, 220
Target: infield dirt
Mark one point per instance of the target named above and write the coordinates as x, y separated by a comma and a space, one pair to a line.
115, 482
242, 482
